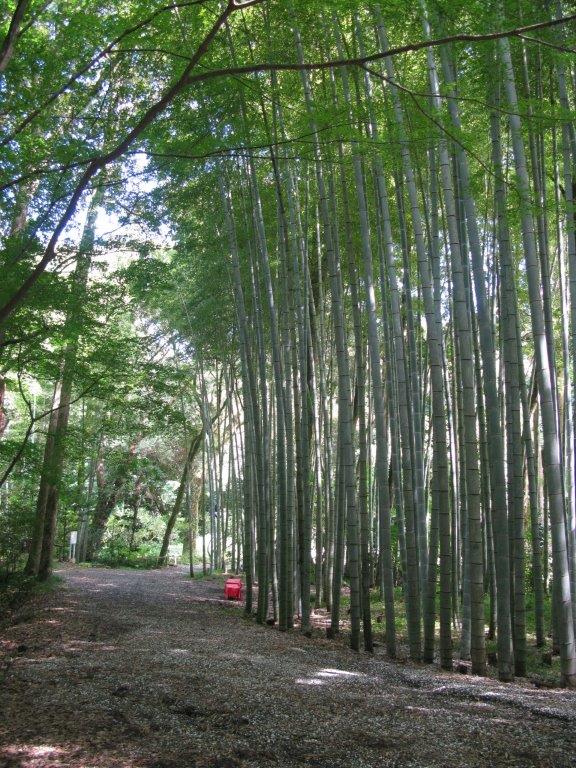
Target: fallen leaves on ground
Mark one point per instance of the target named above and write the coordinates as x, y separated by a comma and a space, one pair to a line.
132, 669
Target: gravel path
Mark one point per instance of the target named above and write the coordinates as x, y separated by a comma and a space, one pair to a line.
128, 669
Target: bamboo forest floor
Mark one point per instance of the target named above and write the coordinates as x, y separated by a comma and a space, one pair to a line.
148, 669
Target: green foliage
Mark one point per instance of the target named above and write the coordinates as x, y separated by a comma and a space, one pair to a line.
117, 554
132, 542
16, 589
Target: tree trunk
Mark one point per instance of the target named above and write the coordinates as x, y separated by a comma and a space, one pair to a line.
195, 445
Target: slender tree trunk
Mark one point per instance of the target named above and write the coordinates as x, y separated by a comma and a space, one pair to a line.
493, 425
551, 446
344, 389
195, 445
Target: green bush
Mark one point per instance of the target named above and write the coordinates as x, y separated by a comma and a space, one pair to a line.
116, 553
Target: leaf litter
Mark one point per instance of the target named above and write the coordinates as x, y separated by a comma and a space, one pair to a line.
150, 669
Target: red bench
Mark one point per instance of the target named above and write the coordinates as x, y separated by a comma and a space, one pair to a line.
233, 589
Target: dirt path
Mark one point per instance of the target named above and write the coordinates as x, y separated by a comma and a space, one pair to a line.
127, 669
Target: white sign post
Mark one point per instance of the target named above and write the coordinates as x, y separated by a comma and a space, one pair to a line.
72, 546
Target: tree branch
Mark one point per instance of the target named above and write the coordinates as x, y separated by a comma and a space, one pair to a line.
7, 47
93, 61
33, 420
186, 78
97, 165
359, 61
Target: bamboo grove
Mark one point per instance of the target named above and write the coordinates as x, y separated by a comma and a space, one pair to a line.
385, 376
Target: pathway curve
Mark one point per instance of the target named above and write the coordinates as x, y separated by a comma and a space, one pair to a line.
129, 669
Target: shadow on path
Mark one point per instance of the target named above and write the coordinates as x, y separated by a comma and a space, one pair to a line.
150, 669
